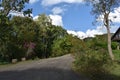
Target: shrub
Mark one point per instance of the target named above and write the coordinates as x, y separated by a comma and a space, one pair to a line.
93, 63
117, 54
114, 45
39, 50
15, 51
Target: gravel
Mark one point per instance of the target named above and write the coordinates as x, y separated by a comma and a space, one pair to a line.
59, 68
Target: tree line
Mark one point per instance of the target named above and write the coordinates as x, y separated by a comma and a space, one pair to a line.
25, 37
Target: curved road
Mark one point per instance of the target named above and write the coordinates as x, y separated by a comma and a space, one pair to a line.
58, 68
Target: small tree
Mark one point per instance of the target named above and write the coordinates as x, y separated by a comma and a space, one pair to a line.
104, 8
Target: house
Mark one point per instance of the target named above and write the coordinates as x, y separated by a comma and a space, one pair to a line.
116, 37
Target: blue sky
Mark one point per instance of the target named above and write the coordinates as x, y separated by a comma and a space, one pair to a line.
73, 15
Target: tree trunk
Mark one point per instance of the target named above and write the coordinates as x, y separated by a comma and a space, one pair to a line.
109, 43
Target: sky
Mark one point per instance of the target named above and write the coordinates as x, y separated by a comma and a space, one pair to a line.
73, 15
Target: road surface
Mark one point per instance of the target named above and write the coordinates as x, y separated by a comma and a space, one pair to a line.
58, 68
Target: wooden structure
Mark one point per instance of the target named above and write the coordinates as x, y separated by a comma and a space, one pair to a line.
116, 37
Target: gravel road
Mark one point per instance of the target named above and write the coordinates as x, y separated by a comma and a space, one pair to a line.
58, 68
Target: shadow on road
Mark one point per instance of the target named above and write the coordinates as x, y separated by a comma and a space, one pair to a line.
40, 74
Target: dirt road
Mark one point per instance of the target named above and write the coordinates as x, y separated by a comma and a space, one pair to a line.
58, 68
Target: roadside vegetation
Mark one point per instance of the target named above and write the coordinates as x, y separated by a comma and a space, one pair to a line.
94, 61
33, 39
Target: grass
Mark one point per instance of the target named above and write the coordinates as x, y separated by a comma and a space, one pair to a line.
117, 54
114, 73
6, 64
115, 70
3, 63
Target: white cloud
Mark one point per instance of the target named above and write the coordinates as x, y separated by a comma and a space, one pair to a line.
35, 17
56, 20
33, 1
114, 16
15, 13
57, 10
112, 29
92, 33
79, 34
53, 2
72, 32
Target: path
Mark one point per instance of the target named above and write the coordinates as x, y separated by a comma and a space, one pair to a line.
58, 68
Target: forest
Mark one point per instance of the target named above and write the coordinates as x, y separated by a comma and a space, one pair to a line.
24, 37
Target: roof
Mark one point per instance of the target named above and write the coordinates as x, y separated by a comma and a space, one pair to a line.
116, 36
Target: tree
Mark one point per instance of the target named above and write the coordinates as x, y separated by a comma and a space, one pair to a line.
4, 35
24, 34
6, 6
44, 23
12, 5
44, 20
104, 8
47, 33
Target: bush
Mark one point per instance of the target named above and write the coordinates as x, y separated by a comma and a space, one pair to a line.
114, 45
15, 51
93, 60
61, 47
93, 63
117, 54
39, 50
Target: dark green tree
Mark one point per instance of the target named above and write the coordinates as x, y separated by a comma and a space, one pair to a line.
23, 33
6, 6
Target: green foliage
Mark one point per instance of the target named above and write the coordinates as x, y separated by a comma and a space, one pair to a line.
93, 59
15, 51
14, 5
4, 27
77, 45
23, 31
44, 20
117, 55
97, 43
93, 63
61, 46
8, 39
5, 31
114, 45
23, 28
57, 50
47, 34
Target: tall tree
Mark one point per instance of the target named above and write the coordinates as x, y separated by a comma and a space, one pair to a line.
44, 23
6, 6
47, 33
24, 33
104, 8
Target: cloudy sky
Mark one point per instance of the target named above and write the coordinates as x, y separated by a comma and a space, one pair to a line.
73, 15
